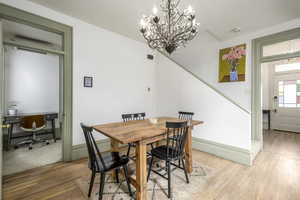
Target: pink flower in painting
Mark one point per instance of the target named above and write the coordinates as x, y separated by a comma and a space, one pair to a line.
234, 55
224, 57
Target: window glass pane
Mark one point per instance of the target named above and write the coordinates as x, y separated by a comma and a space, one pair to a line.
276, 49
280, 88
285, 47
280, 99
287, 67
292, 105
290, 94
294, 82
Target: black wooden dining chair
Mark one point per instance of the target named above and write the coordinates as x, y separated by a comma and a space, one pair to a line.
132, 117
171, 152
103, 162
185, 115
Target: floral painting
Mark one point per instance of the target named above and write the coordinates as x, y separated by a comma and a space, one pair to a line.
232, 64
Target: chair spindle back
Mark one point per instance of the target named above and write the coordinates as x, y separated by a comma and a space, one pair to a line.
185, 115
134, 116
92, 147
176, 138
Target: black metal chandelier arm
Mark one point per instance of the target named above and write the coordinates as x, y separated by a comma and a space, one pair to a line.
181, 33
172, 29
160, 33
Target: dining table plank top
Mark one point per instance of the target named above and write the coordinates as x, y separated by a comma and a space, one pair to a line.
134, 131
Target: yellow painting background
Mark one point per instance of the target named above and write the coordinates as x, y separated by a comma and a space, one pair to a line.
224, 67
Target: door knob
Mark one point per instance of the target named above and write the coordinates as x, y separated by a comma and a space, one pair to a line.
5, 126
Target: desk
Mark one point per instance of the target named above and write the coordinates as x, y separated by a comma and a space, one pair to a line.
268, 112
16, 119
142, 132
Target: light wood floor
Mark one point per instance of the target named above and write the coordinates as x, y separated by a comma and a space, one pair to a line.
275, 175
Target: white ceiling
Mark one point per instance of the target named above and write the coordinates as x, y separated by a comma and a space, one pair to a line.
216, 16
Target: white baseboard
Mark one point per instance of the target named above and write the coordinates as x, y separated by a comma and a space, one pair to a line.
256, 147
239, 155
80, 150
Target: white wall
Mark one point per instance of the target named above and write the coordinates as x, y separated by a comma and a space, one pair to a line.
201, 57
122, 74
119, 66
32, 81
178, 90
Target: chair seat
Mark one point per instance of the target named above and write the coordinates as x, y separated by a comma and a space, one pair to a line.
112, 160
161, 153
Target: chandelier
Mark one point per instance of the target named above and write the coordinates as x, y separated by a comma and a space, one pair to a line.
170, 30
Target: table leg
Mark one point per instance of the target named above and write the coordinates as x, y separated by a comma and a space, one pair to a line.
269, 120
114, 148
9, 136
141, 171
188, 152
53, 129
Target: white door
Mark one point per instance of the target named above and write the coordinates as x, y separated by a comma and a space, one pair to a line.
286, 102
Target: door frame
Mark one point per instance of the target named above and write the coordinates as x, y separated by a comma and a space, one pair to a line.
257, 60
26, 18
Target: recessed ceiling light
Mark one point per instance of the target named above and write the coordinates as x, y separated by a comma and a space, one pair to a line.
235, 30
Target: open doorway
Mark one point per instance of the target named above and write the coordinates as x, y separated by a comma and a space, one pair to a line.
276, 93
22, 17
281, 95
281, 106
32, 97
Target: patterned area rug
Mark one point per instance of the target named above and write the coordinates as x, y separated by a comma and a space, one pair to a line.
157, 186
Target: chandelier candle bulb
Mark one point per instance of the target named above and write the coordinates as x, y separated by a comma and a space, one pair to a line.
143, 23
154, 10
171, 29
190, 9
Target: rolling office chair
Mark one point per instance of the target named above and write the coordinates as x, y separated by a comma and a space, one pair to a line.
33, 124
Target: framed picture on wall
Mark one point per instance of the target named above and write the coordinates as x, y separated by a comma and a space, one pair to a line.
232, 64
88, 81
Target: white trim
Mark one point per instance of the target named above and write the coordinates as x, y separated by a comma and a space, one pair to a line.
239, 155
80, 151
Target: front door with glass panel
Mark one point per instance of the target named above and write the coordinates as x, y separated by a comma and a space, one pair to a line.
286, 102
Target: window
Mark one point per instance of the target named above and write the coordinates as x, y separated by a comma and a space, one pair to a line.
289, 94
285, 47
287, 67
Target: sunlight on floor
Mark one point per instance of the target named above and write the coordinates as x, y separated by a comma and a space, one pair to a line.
21, 159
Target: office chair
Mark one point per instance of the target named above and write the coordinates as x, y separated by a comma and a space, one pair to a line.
33, 124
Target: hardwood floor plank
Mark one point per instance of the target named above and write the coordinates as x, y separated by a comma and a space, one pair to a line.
275, 175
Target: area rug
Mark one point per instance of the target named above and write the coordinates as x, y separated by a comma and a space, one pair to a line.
157, 186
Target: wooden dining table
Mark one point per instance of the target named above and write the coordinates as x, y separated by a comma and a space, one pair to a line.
143, 132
